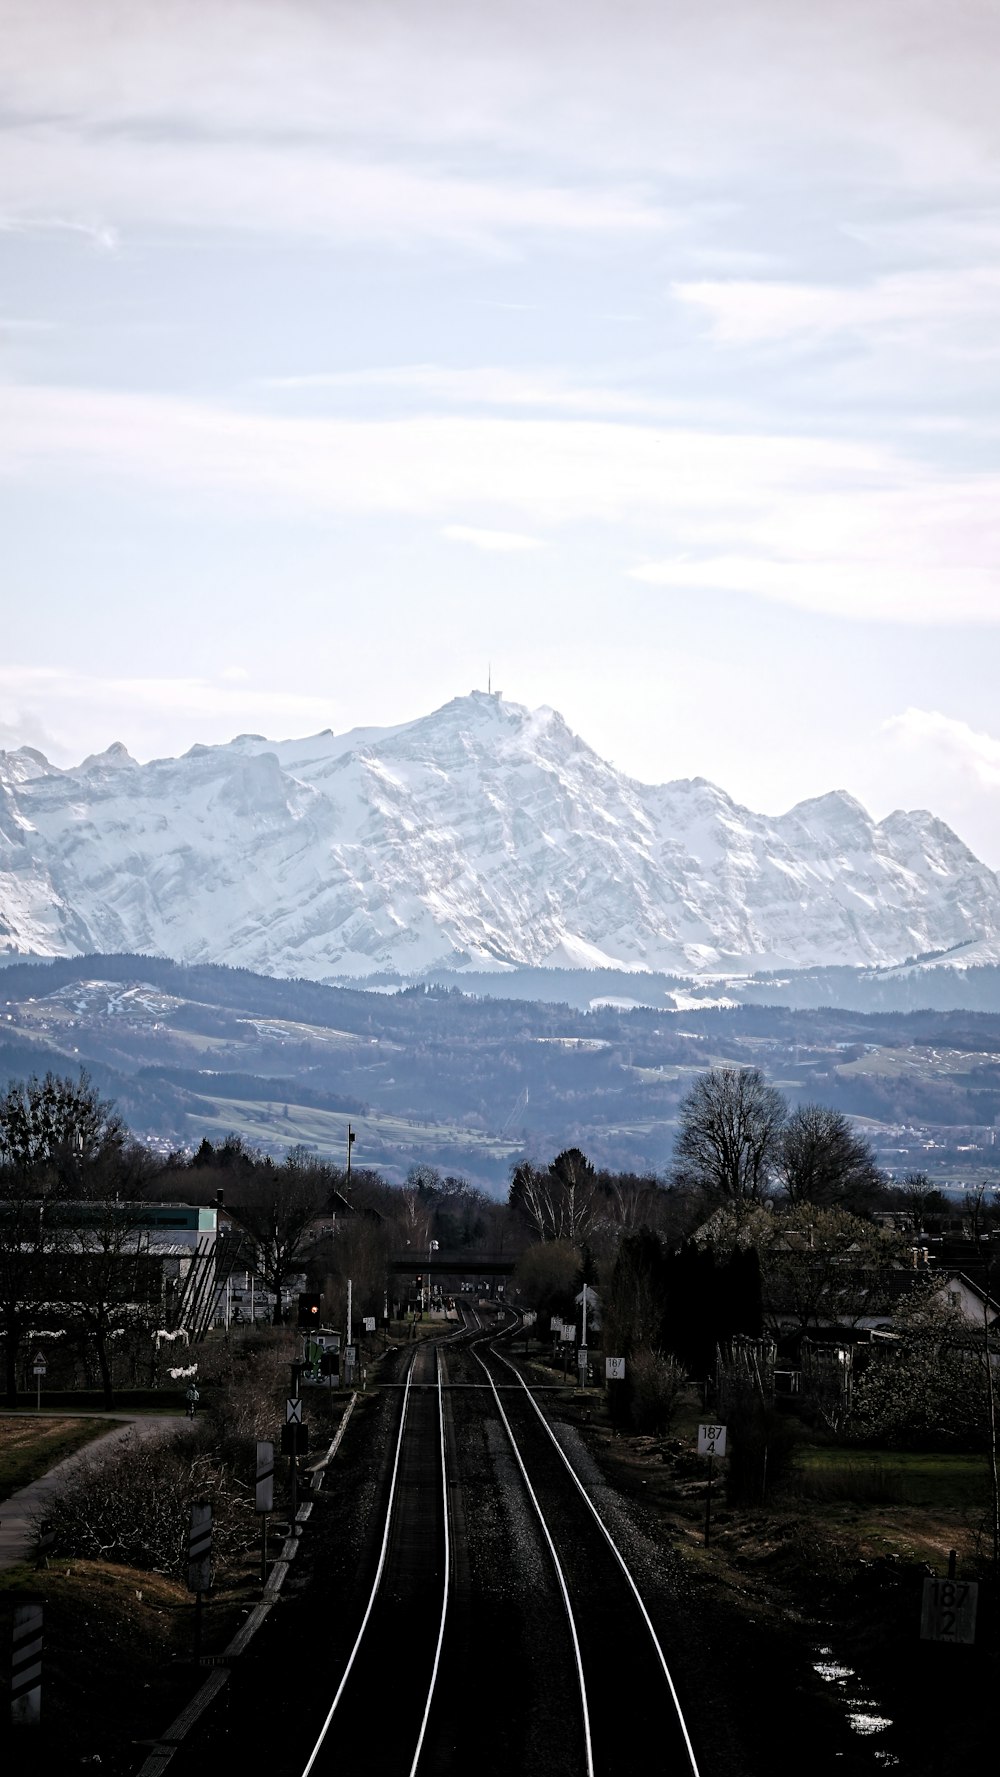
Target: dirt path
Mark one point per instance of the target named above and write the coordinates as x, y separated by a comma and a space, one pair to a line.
19, 1512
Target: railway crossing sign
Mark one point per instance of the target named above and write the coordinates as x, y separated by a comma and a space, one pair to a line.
614, 1369
711, 1440
293, 1410
39, 1366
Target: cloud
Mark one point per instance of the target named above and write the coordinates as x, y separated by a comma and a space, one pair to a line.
286, 188
832, 525
910, 305
941, 762
478, 386
964, 749
148, 712
99, 234
498, 542
588, 80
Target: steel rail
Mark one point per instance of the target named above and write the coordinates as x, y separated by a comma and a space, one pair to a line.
560, 1576
380, 1569
605, 1532
446, 1586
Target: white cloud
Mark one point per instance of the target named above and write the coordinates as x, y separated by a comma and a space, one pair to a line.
497, 542
147, 713
941, 762
659, 86
479, 386
906, 305
964, 749
827, 525
114, 182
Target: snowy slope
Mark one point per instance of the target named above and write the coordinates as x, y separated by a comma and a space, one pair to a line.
484, 833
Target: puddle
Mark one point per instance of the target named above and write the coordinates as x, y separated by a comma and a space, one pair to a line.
861, 1713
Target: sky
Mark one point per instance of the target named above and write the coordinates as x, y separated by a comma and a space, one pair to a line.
641, 358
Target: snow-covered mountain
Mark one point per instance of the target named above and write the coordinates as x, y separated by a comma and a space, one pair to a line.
485, 834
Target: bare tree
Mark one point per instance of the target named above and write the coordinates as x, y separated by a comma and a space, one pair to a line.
730, 1125
560, 1204
60, 1144
105, 1277
278, 1207
58, 1135
822, 1159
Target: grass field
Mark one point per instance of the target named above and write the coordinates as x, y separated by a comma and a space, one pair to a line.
30, 1447
327, 1130
951, 1481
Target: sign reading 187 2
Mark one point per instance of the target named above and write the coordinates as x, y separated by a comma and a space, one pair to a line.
949, 1610
711, 1440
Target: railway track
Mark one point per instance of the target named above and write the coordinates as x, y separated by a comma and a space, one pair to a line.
547, 1618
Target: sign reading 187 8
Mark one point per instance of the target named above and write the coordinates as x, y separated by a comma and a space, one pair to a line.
711, 1440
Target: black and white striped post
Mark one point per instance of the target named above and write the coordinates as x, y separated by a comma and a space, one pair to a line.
26, 1665
199, 1564
264, 1500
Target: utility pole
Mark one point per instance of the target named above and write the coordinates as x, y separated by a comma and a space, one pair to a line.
350, 1143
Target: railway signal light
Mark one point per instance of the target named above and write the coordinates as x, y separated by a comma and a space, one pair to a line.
309, 1306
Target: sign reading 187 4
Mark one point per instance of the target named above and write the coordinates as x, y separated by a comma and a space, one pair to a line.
711, 1440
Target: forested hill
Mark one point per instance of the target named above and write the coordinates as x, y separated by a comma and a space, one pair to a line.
466, 1081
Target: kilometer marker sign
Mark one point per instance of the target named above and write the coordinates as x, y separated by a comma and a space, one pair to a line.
711, 1440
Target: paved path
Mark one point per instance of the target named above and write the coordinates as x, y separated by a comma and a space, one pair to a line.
18, 1513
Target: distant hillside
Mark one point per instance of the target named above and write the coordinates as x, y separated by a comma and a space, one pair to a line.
470, 1083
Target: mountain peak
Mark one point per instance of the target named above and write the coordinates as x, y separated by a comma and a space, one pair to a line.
113, 758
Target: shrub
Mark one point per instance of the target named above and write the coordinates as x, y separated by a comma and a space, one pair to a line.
133, 1506
656, 1387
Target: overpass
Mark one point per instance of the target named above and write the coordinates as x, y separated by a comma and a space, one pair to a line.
417, 1262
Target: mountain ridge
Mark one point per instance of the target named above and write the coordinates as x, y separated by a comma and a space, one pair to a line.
483, 834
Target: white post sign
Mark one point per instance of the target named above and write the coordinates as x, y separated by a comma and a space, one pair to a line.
26, 1667
614, 1369
293, 1410
200, 1549
264, 1501
948, 1610
711, 1440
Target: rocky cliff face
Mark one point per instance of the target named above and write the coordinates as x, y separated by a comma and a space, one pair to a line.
484, 832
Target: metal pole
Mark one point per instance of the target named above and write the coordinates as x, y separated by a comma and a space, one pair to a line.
708, 1503
38, 1397
263, 1552
350, 1300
